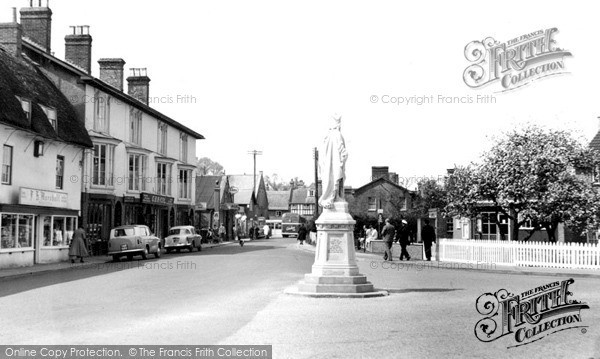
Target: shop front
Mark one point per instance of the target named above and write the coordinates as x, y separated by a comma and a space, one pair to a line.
158, 213
37, 230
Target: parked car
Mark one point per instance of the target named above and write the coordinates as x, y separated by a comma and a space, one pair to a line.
186, 237
133, 240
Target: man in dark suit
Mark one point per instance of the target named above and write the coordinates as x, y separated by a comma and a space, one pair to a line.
404, 239
428, 236
388, 234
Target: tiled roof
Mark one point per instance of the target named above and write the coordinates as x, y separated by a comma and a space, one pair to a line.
205, 189
20, 77
278, 200
595, 144
244, 184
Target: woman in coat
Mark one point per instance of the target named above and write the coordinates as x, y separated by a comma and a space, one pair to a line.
302, 233
77, 247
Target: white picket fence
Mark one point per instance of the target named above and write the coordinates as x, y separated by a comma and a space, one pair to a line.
536, 254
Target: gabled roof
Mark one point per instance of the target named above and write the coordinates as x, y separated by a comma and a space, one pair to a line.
94, 82
20, 77
205, 189
379, 181
278, 200
595, 144
244, 185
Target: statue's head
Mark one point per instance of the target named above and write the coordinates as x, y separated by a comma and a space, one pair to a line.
336, 121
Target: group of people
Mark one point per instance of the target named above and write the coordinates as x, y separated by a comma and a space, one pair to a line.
402, 236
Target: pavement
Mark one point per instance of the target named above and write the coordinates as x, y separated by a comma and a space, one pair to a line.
88, 262
418, 264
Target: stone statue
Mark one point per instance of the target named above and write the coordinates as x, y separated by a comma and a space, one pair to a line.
332, 161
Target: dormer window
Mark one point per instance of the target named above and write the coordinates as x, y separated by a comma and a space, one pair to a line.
51, 115
26, 105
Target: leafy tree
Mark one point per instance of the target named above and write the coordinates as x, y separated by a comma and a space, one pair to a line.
206, 166
531, 174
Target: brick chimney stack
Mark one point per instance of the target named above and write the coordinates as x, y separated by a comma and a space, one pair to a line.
379, 172
78, 48
36, 21
139, 84
111, 72
10, 35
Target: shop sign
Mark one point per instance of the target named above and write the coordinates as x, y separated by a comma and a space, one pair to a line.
155, 199
129, 199
36, 197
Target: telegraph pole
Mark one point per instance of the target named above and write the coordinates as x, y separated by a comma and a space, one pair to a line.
254, 153
316, 158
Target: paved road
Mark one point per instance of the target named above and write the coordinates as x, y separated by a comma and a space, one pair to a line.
233, 295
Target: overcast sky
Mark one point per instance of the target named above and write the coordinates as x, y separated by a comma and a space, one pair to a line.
267, 75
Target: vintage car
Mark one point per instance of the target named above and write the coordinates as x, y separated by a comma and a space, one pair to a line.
133, 240
186, 237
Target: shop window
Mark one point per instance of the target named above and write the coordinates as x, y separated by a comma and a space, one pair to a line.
60, 171
103, 165
58, 230
7, 164
16, 230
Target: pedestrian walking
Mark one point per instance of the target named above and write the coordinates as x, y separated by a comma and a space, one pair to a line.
404, 239
428, 236
267, 231
251, 232
388, 232
302, 233
222, 232
77, 248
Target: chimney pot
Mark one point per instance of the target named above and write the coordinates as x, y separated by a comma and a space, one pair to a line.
37, 24
138, 84
78, 48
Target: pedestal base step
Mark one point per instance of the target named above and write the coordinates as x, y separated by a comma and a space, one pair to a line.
319, 279
335, 288
298, 292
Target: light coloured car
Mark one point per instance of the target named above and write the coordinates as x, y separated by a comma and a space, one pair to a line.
133, 240
183, 237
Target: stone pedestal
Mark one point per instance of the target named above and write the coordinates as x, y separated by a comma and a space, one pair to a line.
335, 272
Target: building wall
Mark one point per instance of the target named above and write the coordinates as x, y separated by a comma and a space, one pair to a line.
359, 203
40, 172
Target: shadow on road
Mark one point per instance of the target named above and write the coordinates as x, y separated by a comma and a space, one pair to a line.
419, 290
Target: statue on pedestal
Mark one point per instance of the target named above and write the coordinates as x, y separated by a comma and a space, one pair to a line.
332, 161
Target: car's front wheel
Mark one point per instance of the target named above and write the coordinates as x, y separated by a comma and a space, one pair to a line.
191, 248
145, 253
157, 254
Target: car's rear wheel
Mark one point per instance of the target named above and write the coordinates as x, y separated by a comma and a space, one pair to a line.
168, 250
200, 248
145, 253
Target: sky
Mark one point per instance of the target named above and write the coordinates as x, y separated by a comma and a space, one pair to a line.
268, 75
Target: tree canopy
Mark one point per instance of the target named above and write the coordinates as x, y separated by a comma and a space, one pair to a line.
531, 175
